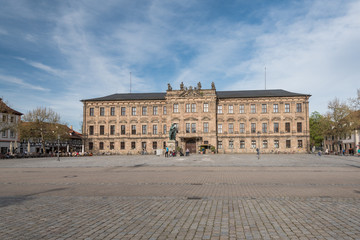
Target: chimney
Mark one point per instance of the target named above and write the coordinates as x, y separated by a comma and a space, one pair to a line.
71, 127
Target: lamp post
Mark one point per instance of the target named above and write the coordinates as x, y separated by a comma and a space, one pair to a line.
58, 146
258, 150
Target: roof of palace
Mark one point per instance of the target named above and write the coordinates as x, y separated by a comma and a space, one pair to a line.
220, 95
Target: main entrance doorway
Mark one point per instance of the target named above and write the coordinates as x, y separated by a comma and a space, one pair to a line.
191, 145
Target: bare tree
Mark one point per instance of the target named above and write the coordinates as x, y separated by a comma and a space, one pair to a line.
42, 124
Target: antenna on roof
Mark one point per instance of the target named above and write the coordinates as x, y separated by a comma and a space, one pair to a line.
130, 82
265, 77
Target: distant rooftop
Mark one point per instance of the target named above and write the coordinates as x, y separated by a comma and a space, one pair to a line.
220, 94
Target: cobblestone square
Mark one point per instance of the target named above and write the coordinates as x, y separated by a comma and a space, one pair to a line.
292, 196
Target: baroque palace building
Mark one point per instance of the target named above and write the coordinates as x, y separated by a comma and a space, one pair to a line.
229, 121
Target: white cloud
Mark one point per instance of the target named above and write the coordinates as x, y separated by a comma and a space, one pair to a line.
21, 83
42, 67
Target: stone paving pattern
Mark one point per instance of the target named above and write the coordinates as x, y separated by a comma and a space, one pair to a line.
199, 197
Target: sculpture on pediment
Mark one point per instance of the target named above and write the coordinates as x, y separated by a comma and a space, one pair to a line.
213, 86
181, 86
169, 87
199, 85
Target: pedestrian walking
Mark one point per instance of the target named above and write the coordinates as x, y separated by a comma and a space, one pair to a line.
167, 151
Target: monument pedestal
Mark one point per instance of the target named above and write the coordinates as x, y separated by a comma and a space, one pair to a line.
171, 144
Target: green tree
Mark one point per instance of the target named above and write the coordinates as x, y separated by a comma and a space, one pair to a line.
42, 124
318, 128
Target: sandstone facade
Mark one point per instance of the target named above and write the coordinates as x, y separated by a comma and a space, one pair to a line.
231, 121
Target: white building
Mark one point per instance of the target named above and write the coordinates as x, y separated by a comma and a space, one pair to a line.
9, 136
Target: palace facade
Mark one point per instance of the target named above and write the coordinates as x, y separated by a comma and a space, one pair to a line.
227, 121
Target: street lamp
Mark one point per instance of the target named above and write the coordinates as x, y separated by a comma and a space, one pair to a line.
58, 146
258, 150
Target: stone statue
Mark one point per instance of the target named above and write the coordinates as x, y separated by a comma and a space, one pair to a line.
199, 85
172, 132
169, 87
181, 86
213, 86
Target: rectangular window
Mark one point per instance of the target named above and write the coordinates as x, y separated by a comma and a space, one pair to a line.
155, 110
154, 145
300, 143
112, 129
219, 109
143, 145
206, 107
231, 109
264, 108
144, 129
102, 111
12, 119
231, 128
122, 129
242, 144
102, 130
187, 107
219, 128
133, 129
253, 144
276, 143
299, 127
287, 107
144, 111
253, 108
276, 108
101, 145
242, 108
122, 145
176, 108
253, 127
193, 107
91, 111
112, 111
187, 125
219, 144
4, 133
155, 129
206, 127
12, 135
164, 110
91, 130
165, 130
298, 107
242, 127
287, 127
133, 111
193, 127
265, 144
123, 111
288, 143
264, 128
133, 145
91, 146
112, 145
231, 144
4, 118
276, 127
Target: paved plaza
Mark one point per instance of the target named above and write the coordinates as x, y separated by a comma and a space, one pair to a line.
288, 196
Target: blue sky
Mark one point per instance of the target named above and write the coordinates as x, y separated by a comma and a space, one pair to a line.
55, 53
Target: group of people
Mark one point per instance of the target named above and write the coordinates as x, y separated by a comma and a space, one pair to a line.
169, 153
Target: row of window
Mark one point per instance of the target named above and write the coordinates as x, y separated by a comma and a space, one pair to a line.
5, 134
265, 144
122, 145
144, 129
264, 127
192, 108
7, 118
191, 128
